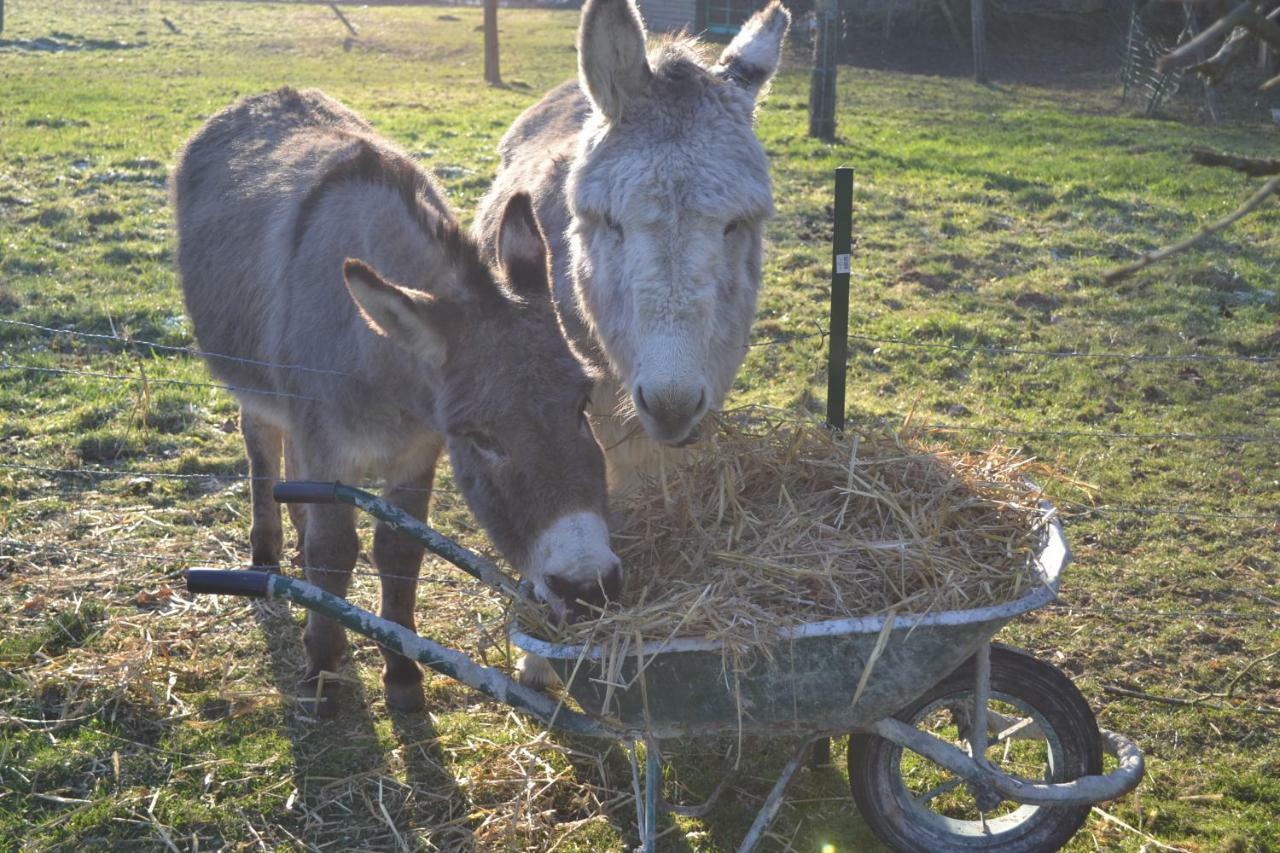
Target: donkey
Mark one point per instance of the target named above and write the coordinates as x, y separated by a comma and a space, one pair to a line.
652, 189
275, 196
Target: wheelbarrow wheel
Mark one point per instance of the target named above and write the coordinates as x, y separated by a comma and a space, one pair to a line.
1040, 729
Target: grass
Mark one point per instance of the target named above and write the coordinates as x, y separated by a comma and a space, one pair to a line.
984, 216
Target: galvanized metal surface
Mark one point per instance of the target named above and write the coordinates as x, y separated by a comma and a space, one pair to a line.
803, 682
494, 683
437, 543
773, 802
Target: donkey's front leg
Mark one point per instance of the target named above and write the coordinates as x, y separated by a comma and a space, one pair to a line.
330, 550
262, 442
399, 559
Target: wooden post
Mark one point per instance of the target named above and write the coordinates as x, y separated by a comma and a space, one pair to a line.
841, 257
341, 17
978, 10
492, 75
822, 82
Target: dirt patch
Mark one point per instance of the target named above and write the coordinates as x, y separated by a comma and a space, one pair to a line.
1034, 301
8, 302
52, 123
104, 217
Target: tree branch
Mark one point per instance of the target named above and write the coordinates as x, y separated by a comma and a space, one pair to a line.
1255, 201
1189, 53
1234, 49
1255, 167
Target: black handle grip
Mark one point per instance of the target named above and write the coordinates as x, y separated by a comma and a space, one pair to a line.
224, 582
305, 492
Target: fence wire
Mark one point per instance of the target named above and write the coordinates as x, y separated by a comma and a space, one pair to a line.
166, 347
1072, 510
819, 333
982, 349
477, 590
1069, 509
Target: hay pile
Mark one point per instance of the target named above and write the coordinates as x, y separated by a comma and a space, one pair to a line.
776, 522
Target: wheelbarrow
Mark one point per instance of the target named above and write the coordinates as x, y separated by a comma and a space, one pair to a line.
955, 743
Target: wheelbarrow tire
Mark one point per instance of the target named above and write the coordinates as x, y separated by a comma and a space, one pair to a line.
886, 804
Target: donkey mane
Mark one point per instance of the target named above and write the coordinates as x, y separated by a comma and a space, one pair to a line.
679, 65
374, 164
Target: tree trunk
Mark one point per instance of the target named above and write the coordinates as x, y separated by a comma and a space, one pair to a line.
822, 83
492, 75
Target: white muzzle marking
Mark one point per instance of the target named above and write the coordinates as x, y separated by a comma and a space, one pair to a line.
575, 549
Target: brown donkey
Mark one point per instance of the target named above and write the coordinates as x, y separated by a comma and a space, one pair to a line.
274, 197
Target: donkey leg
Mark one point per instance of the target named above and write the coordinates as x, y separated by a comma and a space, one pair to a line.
297, 512
331, 548
399, 559
262, 441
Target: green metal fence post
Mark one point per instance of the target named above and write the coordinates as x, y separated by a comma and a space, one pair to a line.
841, 257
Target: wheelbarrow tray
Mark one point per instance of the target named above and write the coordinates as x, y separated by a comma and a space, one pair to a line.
801, 683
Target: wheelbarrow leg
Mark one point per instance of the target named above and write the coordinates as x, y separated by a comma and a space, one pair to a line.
652, 775
771, 805
820, 755
646, 802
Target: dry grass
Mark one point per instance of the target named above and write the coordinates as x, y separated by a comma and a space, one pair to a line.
780, 522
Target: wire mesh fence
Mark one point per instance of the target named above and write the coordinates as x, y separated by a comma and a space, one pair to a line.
1259, 368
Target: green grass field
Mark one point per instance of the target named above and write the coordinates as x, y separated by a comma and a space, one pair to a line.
132, 716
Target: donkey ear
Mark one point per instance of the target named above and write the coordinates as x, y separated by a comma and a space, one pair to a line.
612, 66
751, 58
410, 318
522, 250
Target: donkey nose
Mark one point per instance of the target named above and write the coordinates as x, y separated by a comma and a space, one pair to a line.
582, 595
673, 412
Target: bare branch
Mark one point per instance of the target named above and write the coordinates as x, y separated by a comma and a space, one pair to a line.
1233, 50
1189, 53
1253, 166
1255, 201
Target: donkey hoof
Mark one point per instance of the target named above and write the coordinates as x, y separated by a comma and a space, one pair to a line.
266, 561
536, 673
405, 698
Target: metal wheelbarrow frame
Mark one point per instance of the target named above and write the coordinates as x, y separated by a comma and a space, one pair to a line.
915, 652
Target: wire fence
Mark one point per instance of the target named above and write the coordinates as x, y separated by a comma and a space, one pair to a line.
1069, 509
474, 589
1076, 511
176, 562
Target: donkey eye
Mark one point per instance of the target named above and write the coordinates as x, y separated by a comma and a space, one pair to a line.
730, 228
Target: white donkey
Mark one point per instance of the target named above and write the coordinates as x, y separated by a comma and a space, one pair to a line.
652, 188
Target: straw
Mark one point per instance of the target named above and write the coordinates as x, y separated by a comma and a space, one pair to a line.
777, 521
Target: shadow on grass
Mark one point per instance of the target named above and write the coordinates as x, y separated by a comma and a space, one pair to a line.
817, 805
351, 794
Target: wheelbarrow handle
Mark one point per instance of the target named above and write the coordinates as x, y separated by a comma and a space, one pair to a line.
248, 584
306, 492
